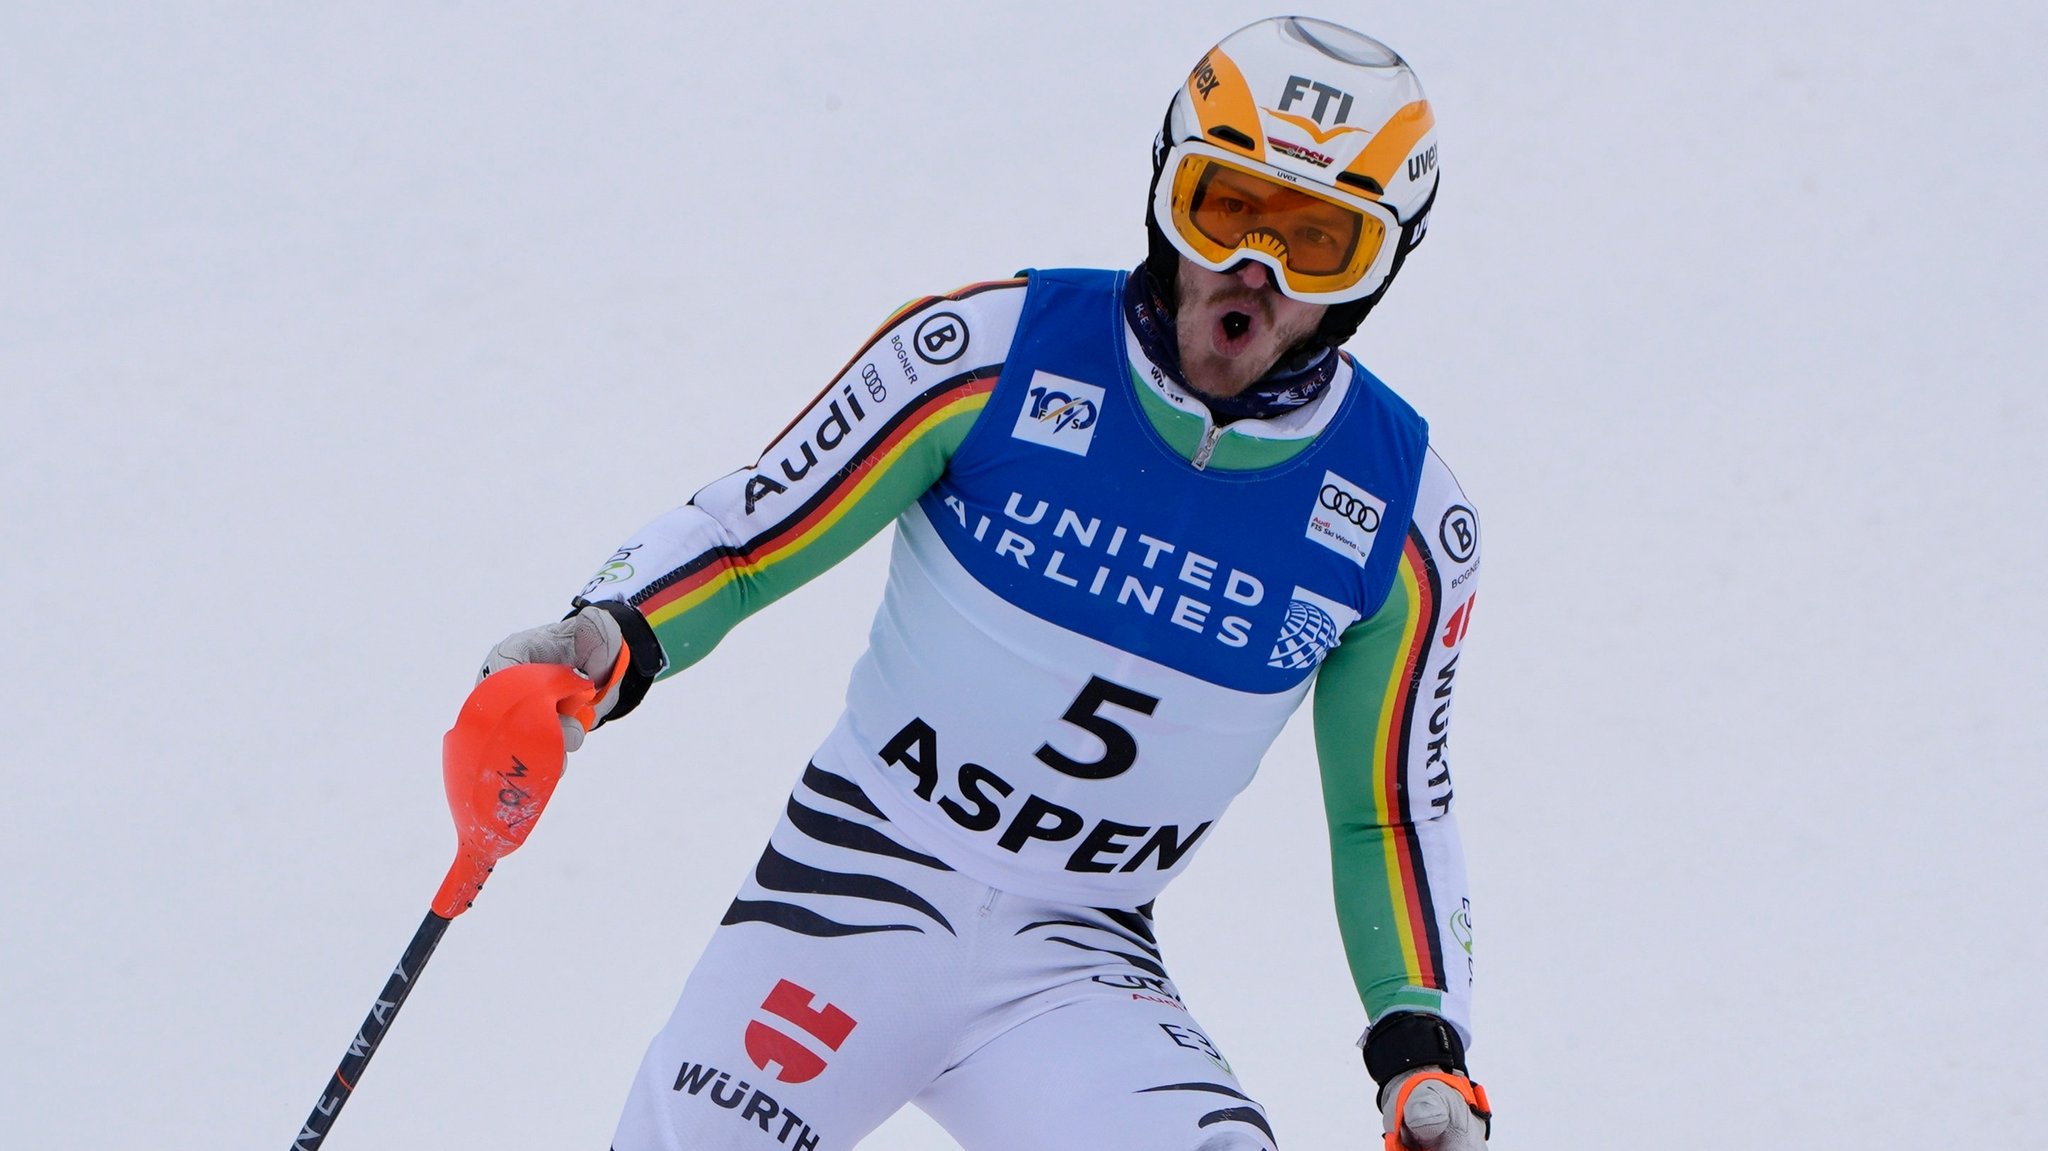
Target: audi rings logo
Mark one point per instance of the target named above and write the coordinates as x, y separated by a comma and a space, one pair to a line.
1345, 518
1350, 507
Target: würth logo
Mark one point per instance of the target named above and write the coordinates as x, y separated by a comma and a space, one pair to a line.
795, 1062
1454, 631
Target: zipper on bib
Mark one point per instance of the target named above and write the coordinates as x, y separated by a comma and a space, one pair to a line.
1208, 447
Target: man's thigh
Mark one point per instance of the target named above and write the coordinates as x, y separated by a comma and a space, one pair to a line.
1116, 1067
826, 1000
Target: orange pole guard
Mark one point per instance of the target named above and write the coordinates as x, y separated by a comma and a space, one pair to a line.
501, 761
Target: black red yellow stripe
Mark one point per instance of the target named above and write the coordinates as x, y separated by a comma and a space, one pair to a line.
1407, 886
895, 317
713, 570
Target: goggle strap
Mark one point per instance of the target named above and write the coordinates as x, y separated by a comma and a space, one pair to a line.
1412, 232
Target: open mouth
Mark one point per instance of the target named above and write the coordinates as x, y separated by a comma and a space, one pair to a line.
1232, 333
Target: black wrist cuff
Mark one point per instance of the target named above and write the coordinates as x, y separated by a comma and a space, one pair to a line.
1409, 1039
645, 660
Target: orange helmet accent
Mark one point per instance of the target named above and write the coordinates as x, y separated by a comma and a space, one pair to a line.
1223, 105
1398, 140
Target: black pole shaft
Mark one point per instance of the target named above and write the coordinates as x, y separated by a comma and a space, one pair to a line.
350, 1073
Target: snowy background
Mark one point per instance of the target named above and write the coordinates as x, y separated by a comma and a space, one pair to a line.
337, 341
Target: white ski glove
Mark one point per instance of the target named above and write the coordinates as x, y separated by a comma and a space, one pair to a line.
589, 641
1430, 1110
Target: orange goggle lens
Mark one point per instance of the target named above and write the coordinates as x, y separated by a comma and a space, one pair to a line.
1222, 210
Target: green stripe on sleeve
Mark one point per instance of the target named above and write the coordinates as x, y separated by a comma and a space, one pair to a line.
1350, 694
745, 587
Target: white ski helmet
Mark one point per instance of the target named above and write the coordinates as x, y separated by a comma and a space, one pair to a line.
1304, 146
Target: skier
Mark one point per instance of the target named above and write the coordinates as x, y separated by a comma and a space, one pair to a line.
1136, 517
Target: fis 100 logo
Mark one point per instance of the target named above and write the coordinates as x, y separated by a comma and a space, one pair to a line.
1059, 413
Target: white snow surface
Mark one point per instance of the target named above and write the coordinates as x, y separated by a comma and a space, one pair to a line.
337, 341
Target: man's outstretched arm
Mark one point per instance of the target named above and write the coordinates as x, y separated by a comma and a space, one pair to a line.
864, 449
1382, 721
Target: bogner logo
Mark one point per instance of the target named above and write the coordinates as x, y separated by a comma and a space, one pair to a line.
941, 338
1345, 518
1059, 413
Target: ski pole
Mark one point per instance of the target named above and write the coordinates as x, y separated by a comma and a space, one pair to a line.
500, 763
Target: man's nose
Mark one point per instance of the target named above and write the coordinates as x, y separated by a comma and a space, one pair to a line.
1253, 274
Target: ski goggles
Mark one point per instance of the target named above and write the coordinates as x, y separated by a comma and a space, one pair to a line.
1324, 246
